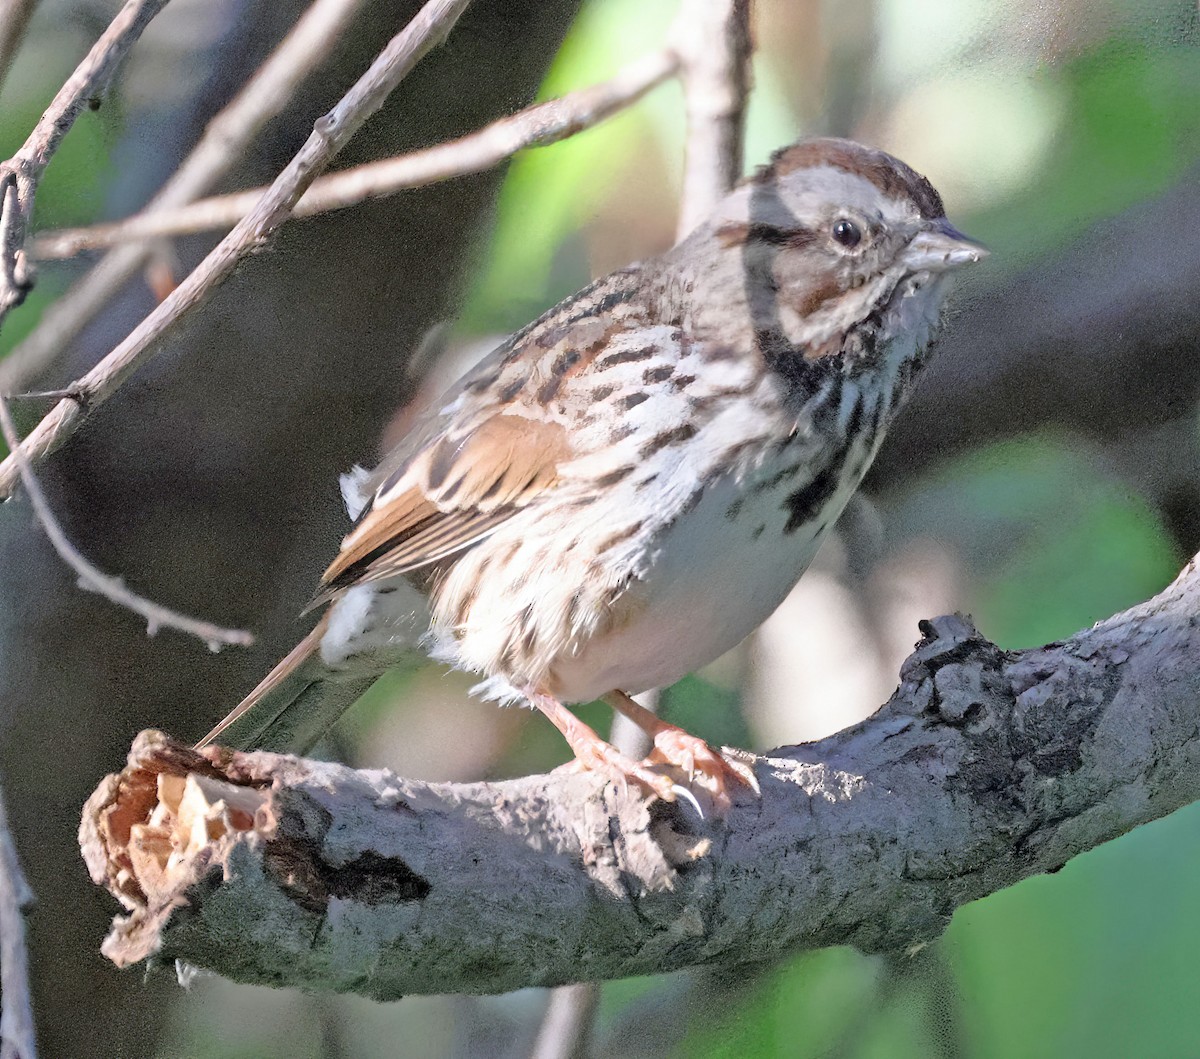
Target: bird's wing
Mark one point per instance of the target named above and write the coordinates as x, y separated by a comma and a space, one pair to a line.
450, 494
492, 446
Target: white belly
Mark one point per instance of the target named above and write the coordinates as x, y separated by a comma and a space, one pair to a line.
714, 581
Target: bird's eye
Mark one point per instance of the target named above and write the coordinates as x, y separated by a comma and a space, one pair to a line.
847, 233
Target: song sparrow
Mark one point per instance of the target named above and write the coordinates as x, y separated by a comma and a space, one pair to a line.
626, 488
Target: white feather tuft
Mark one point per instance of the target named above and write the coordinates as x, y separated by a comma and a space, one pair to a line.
355, 494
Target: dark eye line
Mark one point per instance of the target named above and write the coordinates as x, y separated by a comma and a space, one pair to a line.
791, 238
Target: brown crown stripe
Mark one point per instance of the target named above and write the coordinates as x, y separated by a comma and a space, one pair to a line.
889, 174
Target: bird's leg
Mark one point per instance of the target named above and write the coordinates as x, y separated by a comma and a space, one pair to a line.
592, 752
715, 772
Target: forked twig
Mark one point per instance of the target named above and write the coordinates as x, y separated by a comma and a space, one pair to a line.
330, 134
224, 141
535, 126
23, 171
95, 580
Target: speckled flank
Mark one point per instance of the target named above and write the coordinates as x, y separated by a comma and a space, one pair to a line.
684, 432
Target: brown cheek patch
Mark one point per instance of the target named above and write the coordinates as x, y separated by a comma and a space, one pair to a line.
809, 301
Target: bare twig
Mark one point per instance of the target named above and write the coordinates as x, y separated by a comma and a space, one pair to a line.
94, 580
569, 1022
330, 134
224, 141
536, 126
714, 43
17, 1037
23, 171
14, 19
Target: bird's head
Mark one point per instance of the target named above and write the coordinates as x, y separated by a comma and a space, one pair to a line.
830, 233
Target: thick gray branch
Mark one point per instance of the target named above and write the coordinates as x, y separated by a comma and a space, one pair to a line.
984, 768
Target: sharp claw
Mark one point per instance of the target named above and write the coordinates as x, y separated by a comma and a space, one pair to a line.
687, 796
737, 760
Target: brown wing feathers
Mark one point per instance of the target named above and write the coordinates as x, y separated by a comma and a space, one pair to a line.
448, 497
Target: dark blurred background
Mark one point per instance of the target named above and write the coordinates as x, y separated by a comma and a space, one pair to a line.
1046, 475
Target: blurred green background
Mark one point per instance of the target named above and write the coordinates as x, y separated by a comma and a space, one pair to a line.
1040, 488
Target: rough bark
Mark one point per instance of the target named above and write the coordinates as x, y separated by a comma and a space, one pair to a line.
984, 768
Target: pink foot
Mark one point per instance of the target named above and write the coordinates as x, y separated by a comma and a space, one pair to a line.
715, 773
705, 767
594, 754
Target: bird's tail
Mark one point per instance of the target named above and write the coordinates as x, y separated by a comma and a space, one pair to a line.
295, 704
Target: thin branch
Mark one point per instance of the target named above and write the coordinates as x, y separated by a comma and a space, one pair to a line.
23, 171
225, 140
986, 767
568, 1023
95, 580
536, 126
18, 1039
330, 134
14, 20
714, 42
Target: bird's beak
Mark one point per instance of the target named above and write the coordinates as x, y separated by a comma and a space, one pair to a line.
940, 248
